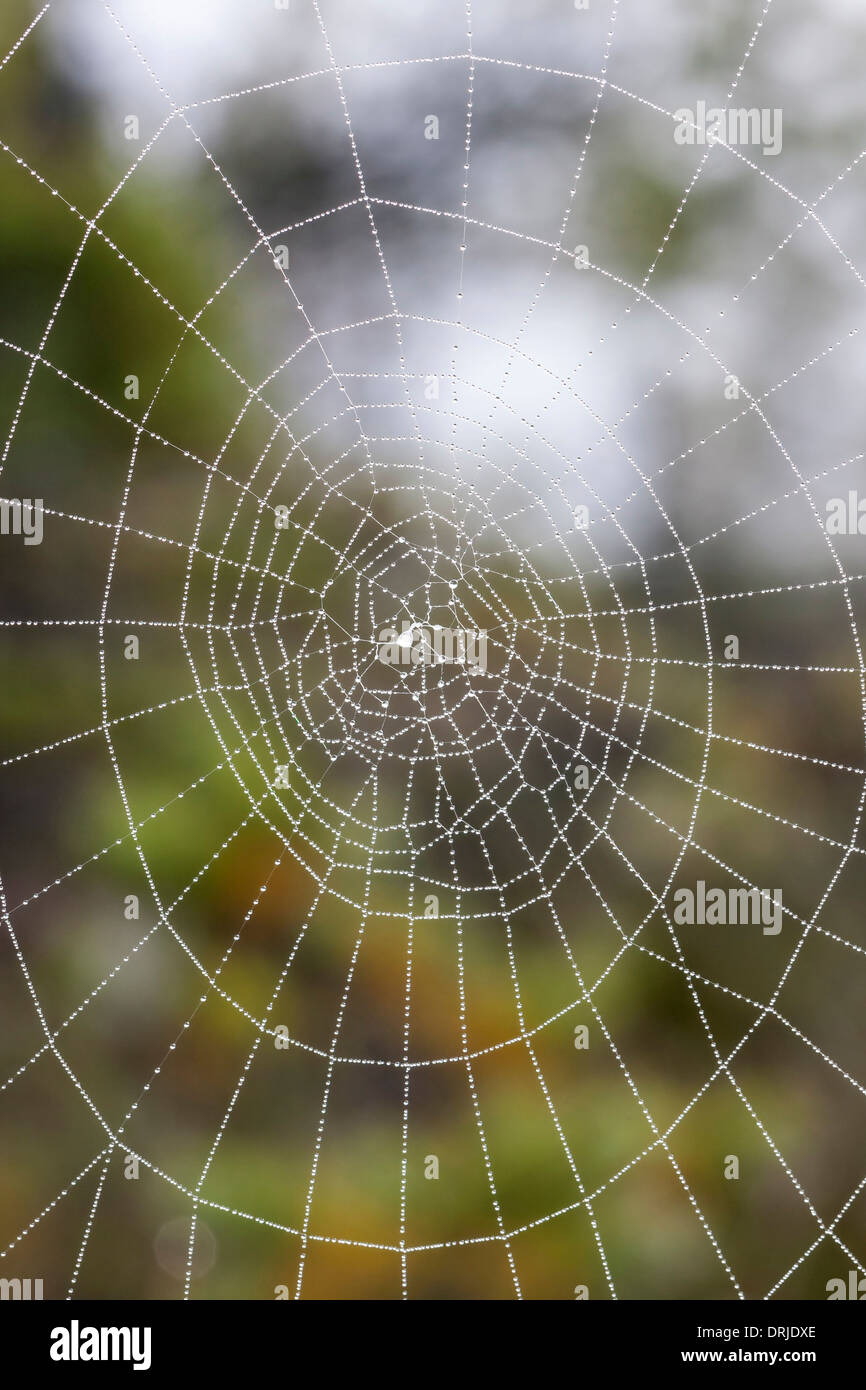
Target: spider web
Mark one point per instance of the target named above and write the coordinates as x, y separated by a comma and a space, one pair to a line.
420, 902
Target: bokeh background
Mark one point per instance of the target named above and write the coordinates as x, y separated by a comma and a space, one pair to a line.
154, 777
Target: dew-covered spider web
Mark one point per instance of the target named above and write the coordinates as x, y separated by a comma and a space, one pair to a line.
443, 564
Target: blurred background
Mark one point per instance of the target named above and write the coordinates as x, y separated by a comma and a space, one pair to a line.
297, 925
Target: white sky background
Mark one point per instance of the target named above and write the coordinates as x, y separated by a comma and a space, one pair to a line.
524, 154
